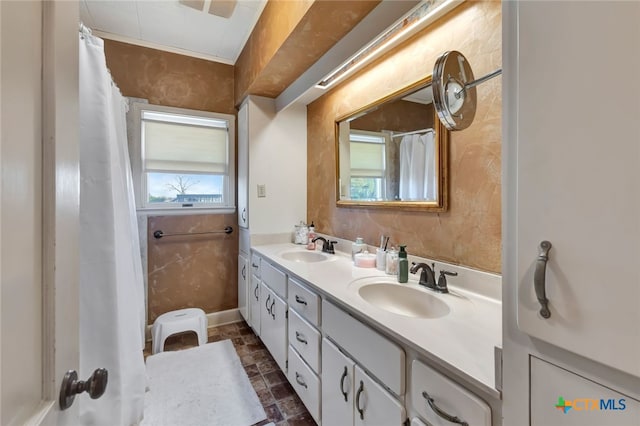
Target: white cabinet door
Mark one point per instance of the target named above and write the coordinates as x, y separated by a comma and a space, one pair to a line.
559, 397
243, 166
243, 286
273, 325
578, 176
337, 386
254, 304
374, 406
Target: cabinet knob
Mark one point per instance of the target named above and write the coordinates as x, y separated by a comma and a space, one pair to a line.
342, 379
539, 278
300, 338
360, 410
300, 380
441, 413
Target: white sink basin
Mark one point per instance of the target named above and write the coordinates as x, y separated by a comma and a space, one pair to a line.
304, 256
403, 300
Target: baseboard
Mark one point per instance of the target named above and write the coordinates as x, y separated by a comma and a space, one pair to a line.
214, 319
224, 317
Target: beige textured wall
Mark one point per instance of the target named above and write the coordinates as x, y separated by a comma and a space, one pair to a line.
192, 271
470, 232
170, 79
196, 271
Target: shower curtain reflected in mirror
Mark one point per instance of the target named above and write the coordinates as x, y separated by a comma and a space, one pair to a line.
418, 167
112, 315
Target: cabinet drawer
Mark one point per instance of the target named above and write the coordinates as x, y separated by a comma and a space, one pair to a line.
306, 383
448, 396
274, 278
255, 264
305, 339
381, 357
304, 301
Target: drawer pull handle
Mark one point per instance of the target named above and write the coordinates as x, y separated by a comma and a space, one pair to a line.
255, 293
273, 314
300, 300
539, 278
300, 380
244, 272
360, 410
300, 338
439, 412
344, 376
266, 304
244, 214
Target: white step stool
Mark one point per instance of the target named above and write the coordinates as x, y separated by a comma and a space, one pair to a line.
189, 319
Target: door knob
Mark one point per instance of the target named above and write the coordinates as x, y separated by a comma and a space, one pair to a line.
94, 385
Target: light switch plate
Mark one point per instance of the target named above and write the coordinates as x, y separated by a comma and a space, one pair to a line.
262, 190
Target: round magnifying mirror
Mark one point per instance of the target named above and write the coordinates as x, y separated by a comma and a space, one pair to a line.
455, 104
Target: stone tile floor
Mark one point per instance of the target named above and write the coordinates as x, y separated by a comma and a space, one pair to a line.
280, 402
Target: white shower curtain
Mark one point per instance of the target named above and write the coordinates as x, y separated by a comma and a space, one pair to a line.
417, 167
111, 281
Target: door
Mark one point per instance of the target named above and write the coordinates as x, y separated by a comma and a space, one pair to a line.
374, 406
39, 208
243, 286
273, 325
243, 165
337, 386
578, 177
254, 304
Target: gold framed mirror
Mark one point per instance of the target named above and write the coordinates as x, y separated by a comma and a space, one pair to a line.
393, 153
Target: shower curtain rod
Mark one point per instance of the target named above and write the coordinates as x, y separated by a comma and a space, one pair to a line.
159, 234
413, 133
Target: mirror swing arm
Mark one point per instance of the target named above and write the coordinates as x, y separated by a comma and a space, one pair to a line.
454, 94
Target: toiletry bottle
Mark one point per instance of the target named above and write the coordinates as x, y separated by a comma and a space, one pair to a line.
403, 266
391, 266
358, 247
312, 234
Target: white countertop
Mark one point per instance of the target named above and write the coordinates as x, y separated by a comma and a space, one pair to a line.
462, 341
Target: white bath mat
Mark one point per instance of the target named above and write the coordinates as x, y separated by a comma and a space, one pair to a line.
205, 385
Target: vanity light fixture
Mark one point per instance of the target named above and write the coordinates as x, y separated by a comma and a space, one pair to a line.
415, 20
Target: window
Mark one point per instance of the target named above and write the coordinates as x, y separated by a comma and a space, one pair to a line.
368, 170
186, 158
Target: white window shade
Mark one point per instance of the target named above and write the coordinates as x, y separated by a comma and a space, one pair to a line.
367, 159
179, 148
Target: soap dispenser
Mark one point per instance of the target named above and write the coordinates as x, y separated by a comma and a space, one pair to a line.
403, 265
311, 245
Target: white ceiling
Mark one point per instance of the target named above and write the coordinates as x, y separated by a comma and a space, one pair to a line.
169, 24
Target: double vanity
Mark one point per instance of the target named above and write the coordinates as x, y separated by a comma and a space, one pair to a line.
360, 348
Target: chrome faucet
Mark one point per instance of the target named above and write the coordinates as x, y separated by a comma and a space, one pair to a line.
428, 278
327, 246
